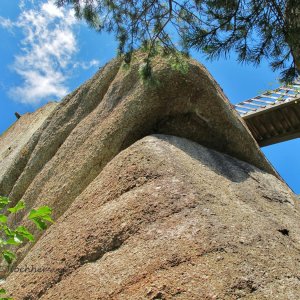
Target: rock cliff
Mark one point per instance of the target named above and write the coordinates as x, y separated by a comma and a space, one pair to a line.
159, 192
17, 136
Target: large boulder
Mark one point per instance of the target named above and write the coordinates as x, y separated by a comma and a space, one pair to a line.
143, 216
112, 111
170, 219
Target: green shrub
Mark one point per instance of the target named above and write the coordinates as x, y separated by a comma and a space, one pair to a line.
12, 237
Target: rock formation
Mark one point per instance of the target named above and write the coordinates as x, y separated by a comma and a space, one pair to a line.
17, 136
159, 192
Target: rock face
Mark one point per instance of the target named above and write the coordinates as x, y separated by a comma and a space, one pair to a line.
145, 208
15, 138
155, 225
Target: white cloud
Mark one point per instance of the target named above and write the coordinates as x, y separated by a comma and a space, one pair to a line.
87, 65
47, 53
39, 86
6, 23
22, 3
52, 10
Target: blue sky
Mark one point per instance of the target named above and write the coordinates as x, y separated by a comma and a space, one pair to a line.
46, 53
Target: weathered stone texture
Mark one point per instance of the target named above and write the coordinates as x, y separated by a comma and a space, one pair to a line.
170, 219
144, 208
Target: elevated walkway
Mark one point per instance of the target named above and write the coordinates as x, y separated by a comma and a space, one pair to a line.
273, 116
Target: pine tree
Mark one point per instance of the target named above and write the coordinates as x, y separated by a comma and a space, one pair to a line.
254, 29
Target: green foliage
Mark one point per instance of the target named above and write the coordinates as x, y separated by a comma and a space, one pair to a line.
145, 70
41, 216
19, 206
3, 292
16, 236
8, 256
5, 298
255, 30
179, 63
3, 202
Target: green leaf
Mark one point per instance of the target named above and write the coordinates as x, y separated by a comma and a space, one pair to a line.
40, 215
2, 242
8, 231
20, 205
23, 231
40, 224
14, 241
2, 291
3, 202
11, 241
8, 256
48, 218
40, 212
3, 219
18, 238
